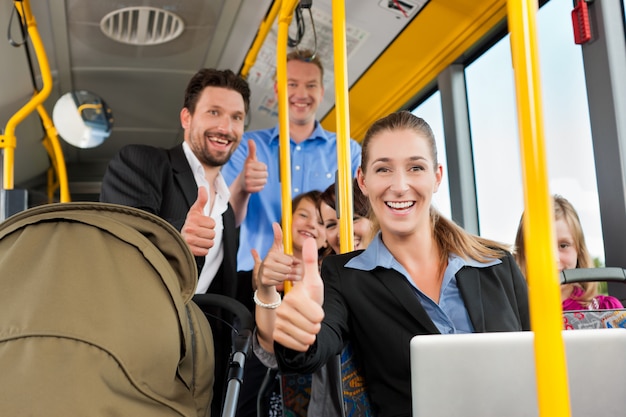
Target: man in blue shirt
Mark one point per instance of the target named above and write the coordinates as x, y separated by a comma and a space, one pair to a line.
254, 179
253, 170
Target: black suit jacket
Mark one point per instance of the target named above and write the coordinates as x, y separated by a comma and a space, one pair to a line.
161, 182
379, 313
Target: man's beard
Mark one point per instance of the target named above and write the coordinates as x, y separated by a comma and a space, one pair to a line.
203, 152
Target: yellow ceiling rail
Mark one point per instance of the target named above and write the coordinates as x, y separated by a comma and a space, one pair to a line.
437, 36
343, 192
264, 28
545, 299
8, 140
286, 15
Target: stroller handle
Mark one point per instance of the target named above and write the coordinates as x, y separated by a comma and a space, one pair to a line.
241, 345
615, 274
227, 303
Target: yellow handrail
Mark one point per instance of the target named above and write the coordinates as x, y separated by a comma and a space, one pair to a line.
545, 301
8, 140
265, 27
344, 184
286, 15
53, 146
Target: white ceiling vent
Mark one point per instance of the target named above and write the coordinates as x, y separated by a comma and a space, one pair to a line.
142, 25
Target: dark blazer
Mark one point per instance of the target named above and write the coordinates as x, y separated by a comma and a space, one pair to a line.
161, 182
379, 313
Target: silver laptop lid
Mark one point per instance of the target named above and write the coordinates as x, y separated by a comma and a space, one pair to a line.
493, 374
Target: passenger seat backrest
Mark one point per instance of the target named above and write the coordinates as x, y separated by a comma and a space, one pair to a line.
593, 319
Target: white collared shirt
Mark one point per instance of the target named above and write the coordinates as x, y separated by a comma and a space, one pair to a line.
214, 258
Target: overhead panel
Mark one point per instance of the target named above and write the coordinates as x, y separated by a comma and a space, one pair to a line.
370, 27
441, 32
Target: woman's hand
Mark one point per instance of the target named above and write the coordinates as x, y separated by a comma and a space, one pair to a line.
299, 317
277, 267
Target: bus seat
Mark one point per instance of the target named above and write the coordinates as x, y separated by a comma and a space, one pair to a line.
593, 319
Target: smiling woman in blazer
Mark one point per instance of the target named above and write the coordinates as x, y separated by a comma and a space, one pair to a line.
421, 274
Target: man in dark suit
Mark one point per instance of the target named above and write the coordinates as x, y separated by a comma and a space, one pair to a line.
184, 186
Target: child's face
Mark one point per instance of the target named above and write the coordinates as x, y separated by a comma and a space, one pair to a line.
566, 248
306, 223
361, 227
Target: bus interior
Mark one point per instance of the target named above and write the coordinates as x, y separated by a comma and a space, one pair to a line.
449, 61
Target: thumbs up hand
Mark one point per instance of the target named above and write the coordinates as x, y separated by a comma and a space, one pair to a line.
254, 173
199, 230
277, 267
255, 269
299, 317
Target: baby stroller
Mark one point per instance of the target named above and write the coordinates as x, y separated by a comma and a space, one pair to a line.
98, 317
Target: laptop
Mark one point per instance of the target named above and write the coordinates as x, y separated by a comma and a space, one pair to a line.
493, 374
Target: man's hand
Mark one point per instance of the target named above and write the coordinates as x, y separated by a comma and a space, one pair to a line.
199, 230
254, 174
251, 179
299, 317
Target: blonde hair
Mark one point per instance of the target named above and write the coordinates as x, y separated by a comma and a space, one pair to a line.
307, 56
564, 210
450, 237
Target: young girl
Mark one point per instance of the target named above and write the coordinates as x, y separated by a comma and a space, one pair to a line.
325, 392
421, 274
278, 266
270, 274
328, 391
362, 226
572, 253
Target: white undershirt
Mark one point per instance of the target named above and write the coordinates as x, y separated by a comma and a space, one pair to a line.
214, 258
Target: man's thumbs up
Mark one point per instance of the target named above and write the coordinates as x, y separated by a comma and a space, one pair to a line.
199, 230
251, 150
201, 200
299, 317
254, 174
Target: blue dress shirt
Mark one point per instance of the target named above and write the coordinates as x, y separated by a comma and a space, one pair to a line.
313, 167
450, 315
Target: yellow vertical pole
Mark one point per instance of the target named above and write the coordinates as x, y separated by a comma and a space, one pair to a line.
284, 19
343, 191
545, 301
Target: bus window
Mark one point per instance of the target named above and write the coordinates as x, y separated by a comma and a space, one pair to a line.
569, 148
567, 131
430, 110
493, 126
